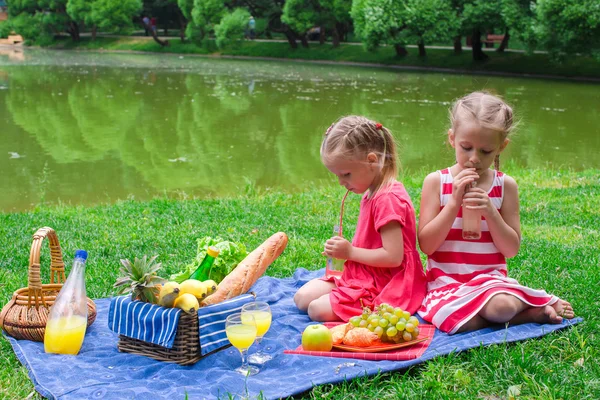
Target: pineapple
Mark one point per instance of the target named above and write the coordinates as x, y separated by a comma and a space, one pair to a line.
140, 279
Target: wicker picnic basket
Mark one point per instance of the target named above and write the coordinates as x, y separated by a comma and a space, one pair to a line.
26, 314
185, 350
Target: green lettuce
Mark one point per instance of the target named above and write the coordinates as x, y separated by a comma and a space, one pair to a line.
230, 255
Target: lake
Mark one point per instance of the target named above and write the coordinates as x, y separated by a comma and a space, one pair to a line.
89, 128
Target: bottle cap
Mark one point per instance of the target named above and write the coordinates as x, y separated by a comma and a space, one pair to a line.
81, 254
212, 251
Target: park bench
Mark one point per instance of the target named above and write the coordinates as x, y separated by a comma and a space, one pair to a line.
490, 39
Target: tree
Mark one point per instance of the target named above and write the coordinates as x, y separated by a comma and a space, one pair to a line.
479, 16
40, 20
301, 15
107, 15
206, 14
379, 22
568, 27
429, 21
232, 27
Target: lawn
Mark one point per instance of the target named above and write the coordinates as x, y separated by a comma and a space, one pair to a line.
507, 62
560, 221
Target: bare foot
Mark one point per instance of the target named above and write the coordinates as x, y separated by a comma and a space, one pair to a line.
545, 315
564, 309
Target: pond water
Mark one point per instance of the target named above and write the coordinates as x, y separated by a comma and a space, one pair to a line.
88, 128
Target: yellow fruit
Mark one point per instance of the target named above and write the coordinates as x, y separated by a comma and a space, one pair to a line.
168, 294
211, 286
193, 286
187, 302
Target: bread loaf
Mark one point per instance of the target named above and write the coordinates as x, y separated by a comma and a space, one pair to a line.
249, 270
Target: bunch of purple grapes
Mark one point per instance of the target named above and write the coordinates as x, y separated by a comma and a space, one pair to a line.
391, 324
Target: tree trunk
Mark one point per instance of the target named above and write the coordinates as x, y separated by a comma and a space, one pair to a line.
504, 43
73, 30
163, 43
94, 31
322, 35
291, 38
335, 36
458, 44
400, 50
182, 24
304, 41
478, 54
422, 52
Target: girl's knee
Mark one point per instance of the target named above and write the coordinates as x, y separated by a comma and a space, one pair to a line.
316, 312
500, 307
301, 299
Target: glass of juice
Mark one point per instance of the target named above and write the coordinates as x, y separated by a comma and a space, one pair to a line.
262, 317
242, 334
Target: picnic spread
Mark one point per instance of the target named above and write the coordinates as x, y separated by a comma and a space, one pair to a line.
167, 338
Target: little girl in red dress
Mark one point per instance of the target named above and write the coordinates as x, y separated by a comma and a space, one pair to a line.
383, 264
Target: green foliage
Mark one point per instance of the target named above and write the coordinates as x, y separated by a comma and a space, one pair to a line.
206, 14
230, 255
5, 29
569, 27
379, 22
300, 15
483, 15
232, 27
106, 15
429, 21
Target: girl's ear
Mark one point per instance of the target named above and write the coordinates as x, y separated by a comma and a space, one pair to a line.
372, 158
503, 145
451, 137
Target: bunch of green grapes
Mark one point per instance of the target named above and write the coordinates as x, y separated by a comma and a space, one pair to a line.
391, 324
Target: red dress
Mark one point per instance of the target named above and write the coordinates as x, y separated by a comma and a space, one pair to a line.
402, 286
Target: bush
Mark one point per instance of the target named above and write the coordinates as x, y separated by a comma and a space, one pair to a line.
232, 27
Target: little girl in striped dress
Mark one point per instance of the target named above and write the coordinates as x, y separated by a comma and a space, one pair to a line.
468, 286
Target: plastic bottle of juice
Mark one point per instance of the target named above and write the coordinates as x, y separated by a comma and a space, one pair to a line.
67, 321
471, 222
202, 273
334, 266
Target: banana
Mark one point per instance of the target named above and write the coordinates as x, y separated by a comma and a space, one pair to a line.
187, 302
193, 286
211, 286
168, 294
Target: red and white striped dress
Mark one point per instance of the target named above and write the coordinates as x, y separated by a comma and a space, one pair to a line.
462, 275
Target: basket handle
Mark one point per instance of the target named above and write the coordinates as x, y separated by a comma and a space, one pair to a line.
57, 266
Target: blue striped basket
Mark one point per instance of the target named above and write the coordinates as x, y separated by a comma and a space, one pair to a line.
169, 334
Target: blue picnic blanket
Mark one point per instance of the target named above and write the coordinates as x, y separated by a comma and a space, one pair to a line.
100, 371
158, 325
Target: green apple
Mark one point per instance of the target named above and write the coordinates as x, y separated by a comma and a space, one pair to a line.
317, 338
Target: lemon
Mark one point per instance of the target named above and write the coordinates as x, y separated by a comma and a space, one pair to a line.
194, 287
187, 302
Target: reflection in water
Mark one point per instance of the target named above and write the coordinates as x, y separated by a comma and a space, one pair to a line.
94, 128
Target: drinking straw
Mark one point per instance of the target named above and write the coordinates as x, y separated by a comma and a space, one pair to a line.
342, 212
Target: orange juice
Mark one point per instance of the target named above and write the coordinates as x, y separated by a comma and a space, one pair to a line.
262, 320
241, 336
64, 335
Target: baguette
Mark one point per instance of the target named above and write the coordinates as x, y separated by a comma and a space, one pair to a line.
249, 270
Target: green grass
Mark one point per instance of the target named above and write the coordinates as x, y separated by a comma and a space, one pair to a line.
560, 213
508, 62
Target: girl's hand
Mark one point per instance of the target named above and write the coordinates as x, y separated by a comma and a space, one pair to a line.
461, 182
338, 247
477, 199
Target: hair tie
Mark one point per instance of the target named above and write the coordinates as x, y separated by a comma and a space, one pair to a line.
378, 126
329, 129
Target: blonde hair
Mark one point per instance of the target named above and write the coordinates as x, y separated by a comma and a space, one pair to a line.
489, 111
354, 137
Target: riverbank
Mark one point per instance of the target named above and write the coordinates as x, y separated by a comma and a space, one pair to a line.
560, 220
437, 59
